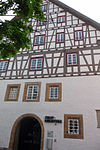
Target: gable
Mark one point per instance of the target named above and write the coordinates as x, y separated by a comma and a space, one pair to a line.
84, 18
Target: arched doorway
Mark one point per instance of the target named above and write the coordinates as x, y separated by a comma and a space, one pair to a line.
27, 133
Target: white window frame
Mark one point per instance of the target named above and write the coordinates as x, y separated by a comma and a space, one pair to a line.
34, 92
60, 19
55, 97
78, 35
60, 38
13, 93
72, 59
3, 65
41, 23
39, 40
44, 8
34, 96
36, 63
54, 92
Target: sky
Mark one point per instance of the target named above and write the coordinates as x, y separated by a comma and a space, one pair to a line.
90, 8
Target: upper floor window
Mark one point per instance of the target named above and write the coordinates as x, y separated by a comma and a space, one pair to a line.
73, 126
53, 92
78, 35
44, 8
36, 63
39, 40
12, 92
31, 92
3, 65
61, 19
60, 38
72, 59
41, 23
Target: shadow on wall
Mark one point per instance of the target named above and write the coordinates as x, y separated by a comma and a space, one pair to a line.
4, 148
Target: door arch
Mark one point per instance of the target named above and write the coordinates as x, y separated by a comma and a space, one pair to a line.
27, 120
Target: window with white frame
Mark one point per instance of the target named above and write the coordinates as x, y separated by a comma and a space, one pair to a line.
72, 59
39, 40
61, 19
44, 8
32, 92
60, 38
53, 92
12, 92
41, 23
78, 35
3, 65
73, 126
36, 63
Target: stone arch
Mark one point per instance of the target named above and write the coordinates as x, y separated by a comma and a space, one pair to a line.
13, 131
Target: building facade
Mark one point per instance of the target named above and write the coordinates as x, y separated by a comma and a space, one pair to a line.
49, 96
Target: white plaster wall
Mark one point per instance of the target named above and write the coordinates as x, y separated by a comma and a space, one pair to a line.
80, 95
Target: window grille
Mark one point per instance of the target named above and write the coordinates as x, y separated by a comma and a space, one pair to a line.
73, 126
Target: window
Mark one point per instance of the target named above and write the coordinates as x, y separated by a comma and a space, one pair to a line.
32, 92
44, 8
53, 92
36, 63
3, 65
39, 40
98, 118
12, 92
61, 19
72, 59
41, 23
78, 35
60, 38
73, 126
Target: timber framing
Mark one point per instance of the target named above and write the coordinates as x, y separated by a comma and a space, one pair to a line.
53, 52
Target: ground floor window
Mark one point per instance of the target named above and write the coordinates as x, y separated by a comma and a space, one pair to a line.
73, 126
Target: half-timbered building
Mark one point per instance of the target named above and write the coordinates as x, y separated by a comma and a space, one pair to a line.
50, 95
